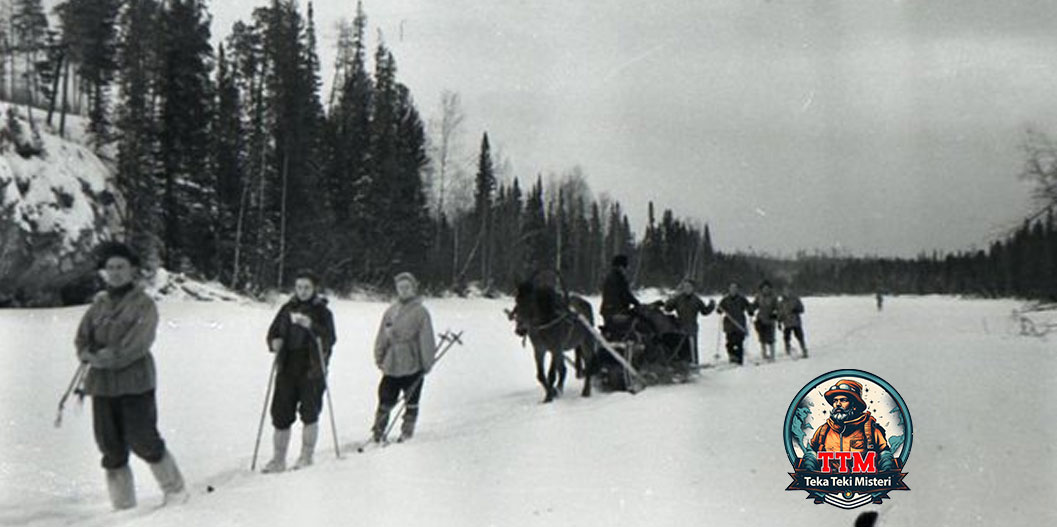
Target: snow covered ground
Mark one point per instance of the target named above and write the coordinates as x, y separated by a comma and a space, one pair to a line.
488, 453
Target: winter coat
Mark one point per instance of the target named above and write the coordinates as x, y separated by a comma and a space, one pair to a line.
115, 336
616, 294
405, 345
735, 307
849, 437
686, 307
298, 355
766, 307
789, 309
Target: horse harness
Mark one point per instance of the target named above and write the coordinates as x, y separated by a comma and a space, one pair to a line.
566, 314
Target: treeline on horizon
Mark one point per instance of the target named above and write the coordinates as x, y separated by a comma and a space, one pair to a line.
233, 168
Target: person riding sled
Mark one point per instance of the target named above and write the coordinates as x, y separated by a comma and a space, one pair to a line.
301, 332
618, 302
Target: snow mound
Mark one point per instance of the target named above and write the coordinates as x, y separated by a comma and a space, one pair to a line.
163, 285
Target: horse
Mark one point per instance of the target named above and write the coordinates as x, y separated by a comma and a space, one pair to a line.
552, 326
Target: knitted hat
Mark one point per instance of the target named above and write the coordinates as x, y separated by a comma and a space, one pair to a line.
850, 389
109, 250
406, 276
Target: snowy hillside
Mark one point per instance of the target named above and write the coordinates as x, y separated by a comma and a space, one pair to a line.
705, 453
56, 203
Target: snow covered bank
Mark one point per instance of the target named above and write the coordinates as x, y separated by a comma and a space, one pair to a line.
706, 453
55, 205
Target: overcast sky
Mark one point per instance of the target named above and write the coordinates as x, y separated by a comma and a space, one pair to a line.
880, 127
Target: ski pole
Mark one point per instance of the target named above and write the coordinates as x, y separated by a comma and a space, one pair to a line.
449, 339
719, 334
264, 409
76, 380
330, 402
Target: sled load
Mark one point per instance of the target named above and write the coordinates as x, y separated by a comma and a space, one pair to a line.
651, 342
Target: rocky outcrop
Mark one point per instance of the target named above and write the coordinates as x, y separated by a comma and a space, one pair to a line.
56, 204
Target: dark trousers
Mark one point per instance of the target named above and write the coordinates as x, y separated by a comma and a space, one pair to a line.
127, 422
296, 394
389, 390
794, 330
736, 346
765, 331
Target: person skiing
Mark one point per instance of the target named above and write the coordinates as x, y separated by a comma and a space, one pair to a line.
114, 338
734, 307
301, 331
789, 310
766, 307
404, 350
687, 305
617, 299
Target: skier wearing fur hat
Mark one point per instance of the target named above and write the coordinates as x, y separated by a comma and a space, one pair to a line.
404, 351
301, 331
114, 338
850, 428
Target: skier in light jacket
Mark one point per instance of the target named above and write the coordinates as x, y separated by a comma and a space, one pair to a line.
114, 338
404, 350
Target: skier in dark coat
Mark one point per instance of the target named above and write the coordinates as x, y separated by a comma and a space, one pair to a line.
687, 305
114, 337
765, 306
301, 331
734, 308
617, 299
789, 310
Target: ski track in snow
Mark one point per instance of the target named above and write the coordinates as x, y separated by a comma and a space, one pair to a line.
488, 453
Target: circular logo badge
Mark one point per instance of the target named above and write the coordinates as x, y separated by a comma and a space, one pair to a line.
848, 435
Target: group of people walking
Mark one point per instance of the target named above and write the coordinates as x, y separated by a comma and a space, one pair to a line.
770, 311
114, 341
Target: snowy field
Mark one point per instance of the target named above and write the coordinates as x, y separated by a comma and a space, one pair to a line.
488, 453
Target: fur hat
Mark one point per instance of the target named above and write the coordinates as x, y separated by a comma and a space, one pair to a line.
109, 250
850, 389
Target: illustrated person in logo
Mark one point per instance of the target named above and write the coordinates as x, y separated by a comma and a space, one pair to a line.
301, 332
850, 428
115, 338
404, 350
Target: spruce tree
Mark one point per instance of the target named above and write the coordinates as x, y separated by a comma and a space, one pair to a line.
138, 163
186, 93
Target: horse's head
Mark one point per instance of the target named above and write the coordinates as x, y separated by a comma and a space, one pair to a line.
525, 308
